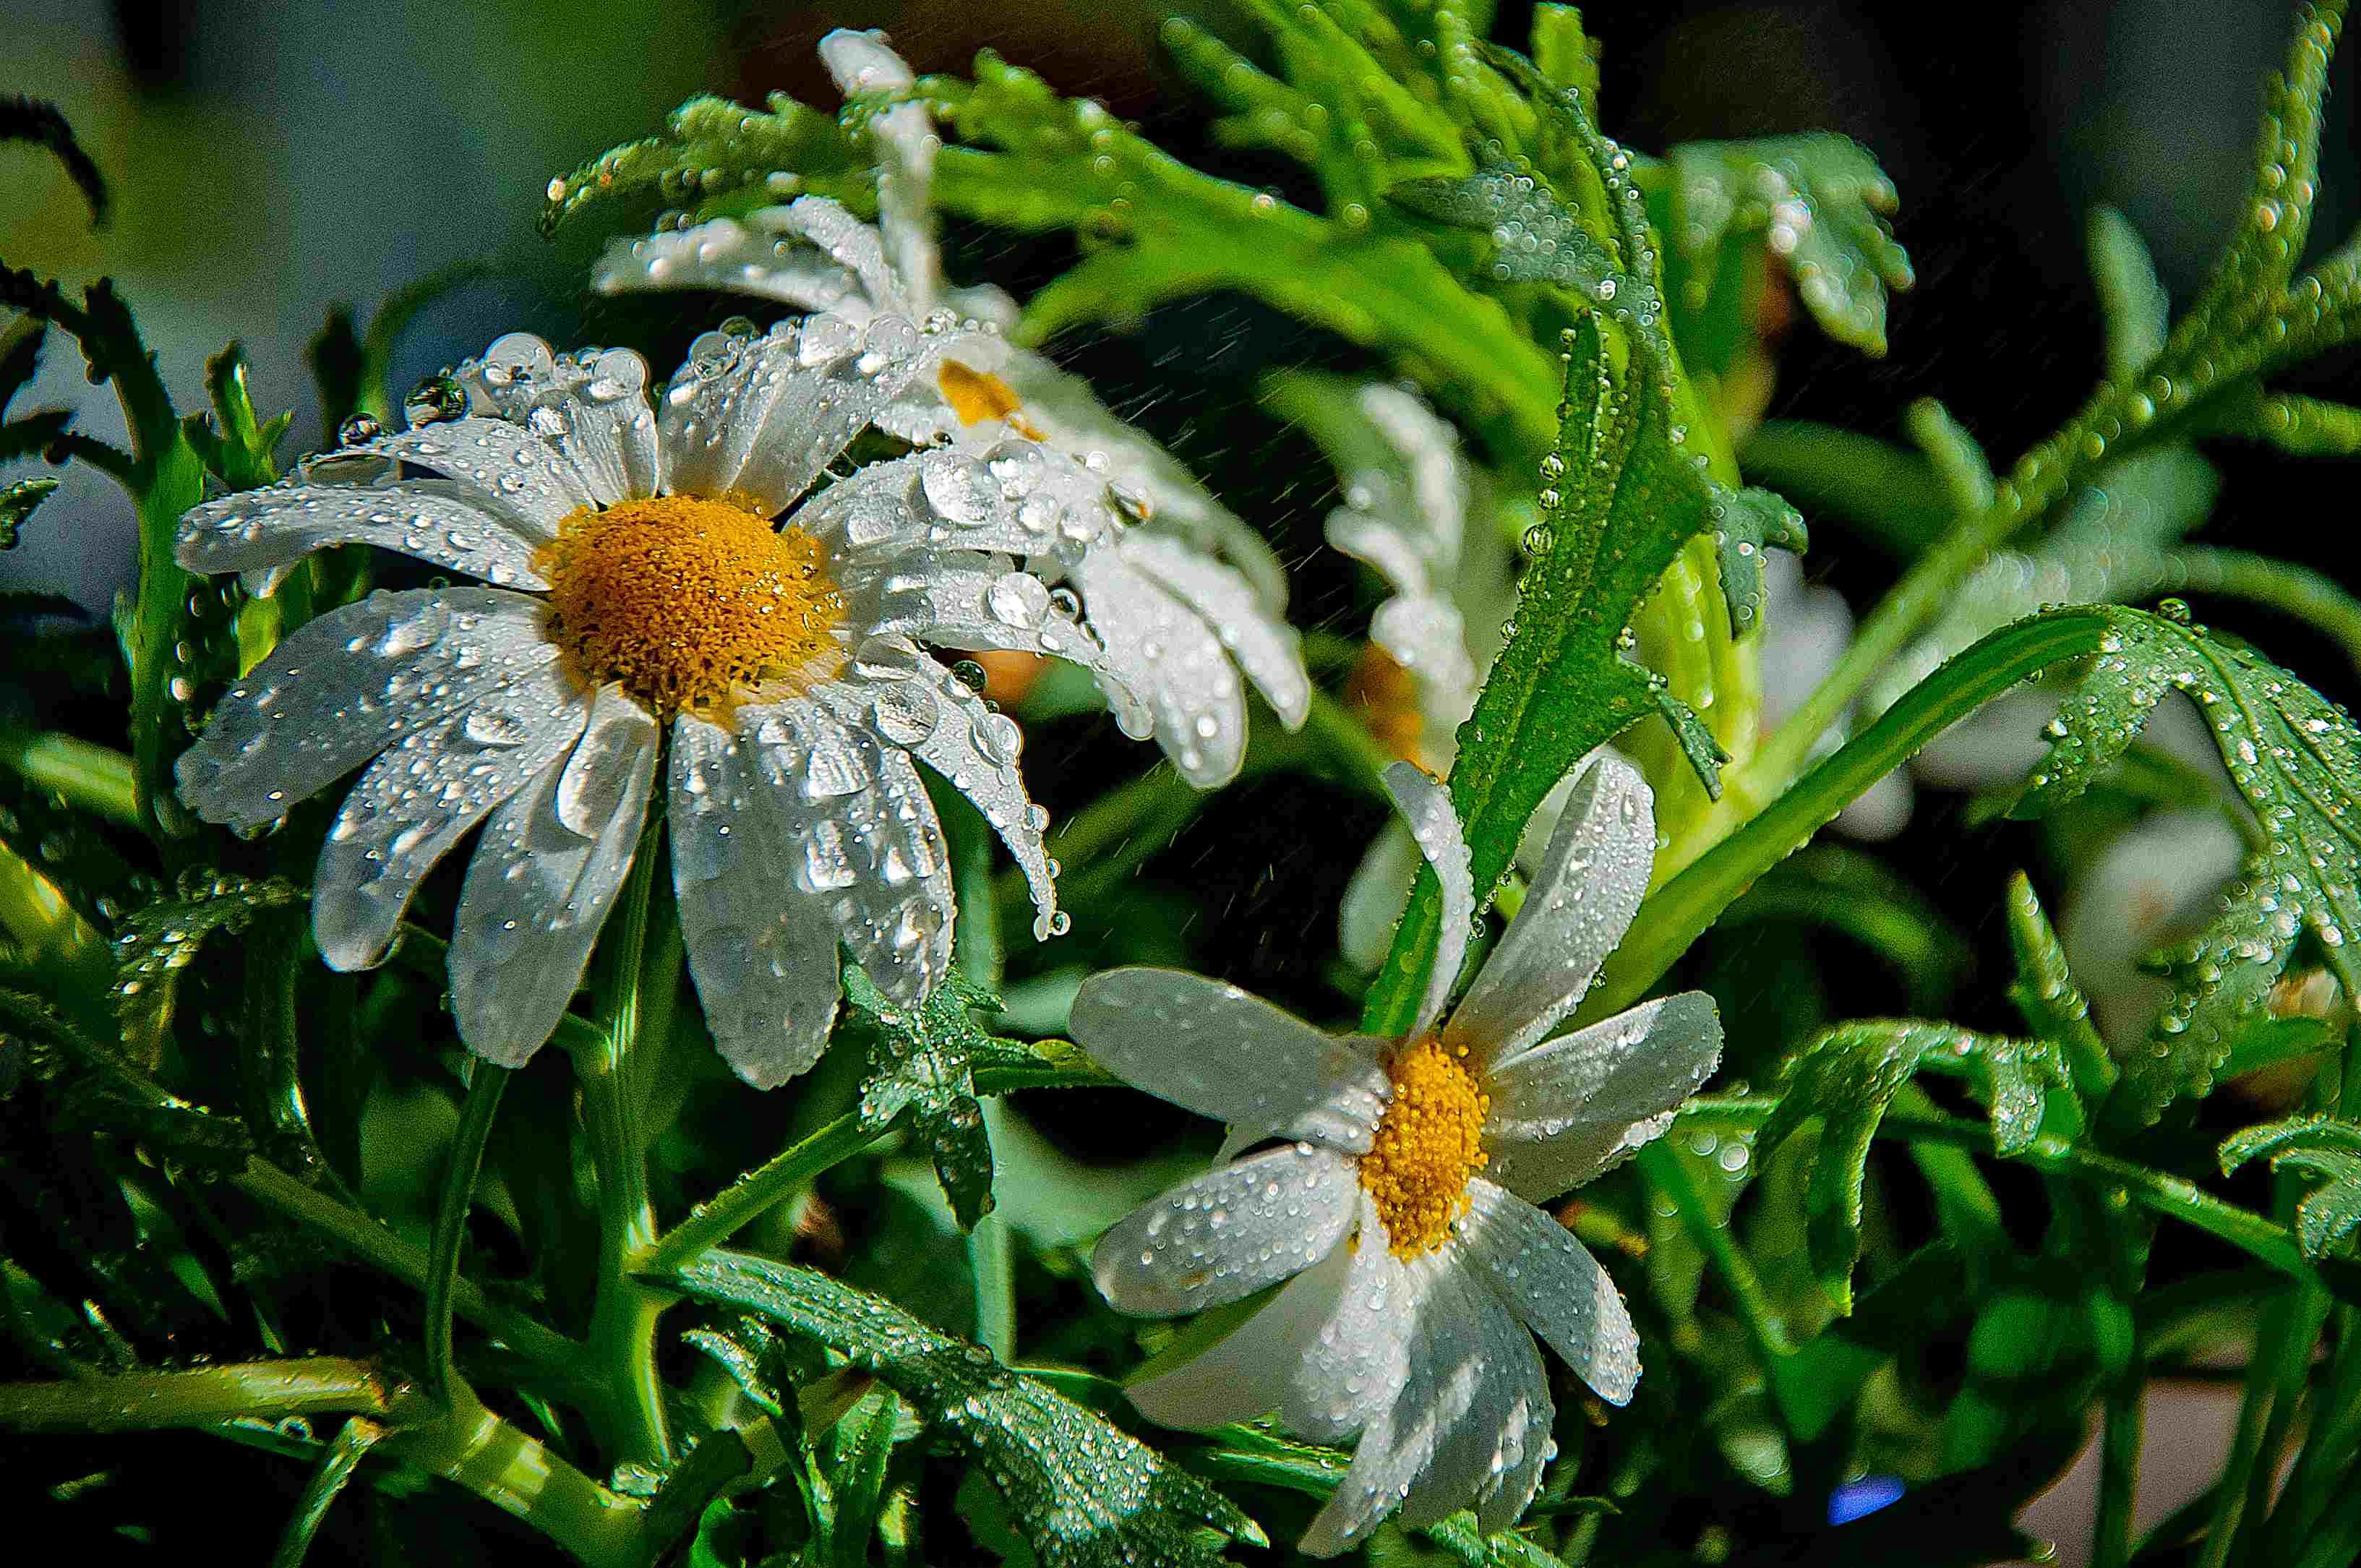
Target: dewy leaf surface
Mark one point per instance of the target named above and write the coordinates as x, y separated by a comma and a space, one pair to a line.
2327, 1150
2296, 760
164, 938
1085, 1494
921, 1060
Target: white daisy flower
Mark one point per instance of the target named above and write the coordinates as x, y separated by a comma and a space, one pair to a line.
1399, 1203
636, 579
1179, 626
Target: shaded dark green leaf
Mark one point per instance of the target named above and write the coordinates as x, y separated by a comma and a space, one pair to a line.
38, 121
164, 938
2321, 1147
17, 504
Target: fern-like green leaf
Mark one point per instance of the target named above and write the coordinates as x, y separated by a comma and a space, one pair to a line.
163, 938
2295, 757
921, 1060
714, 148
17, 504
1084, 1494
2322, 1147
1847, 1077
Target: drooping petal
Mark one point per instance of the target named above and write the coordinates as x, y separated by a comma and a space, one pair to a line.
257, 531
1222, 1053
543, 881
1426, 805
1265, 647
1568, 1109
1248, 1374
1228, 1234
1443, 1382
759, 257
852, 245
867, 851
594, 411
975, 749
862, 64
1488, 1458
762, 957
1160, 650
1591, 880
1555, 1287
343, 687
1427, 636
422, 796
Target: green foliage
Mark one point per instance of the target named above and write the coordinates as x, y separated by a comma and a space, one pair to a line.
1080, 1491
17, 504
38, 121
100, 1089
162, 939
1819, 205
2322, 1147
922, 1060
2294, 757
1848, 1076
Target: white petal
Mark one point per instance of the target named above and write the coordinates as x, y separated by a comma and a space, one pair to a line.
1380, 544
1065, 408
1440, 1396
1489, 1457
1156, 648
862, 62
1373, 902
1247, 1375
1228, 1234
905, 176
543, 881
1265, 647
594, 411
259, 529
1555, 1285
976, 749
1428, 638
735, 257
764, 959
1591, 880
502, 467
860, 833
850, 244
422, 796
347, 686
1426, 807
1568, 1109
1354, 1365
1222, 1053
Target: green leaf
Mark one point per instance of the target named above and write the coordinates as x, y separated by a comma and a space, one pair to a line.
163, 938
240, 443
920, 1060
101, 1089
1819, 204
2296, 760
1890, 494
2132, 301
1505, 199
711, 148
37, 120
1083, 1493
1847, 1077
2321, 1147
17, 504
1745, 523
2053, 1006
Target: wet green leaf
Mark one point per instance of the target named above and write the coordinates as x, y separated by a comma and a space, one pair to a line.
921, 1061
2321, 1147
1848, 1075
101, 1090
163, 939
712, 147
2295, 759
1085, 1494
17, 504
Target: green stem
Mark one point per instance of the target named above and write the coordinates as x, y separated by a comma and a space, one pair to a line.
50, 935
754, 1194
451, 1215
1766, 1329
202, 1396
334, 1470
2328, 1446
2230, 1495
94, 778
2119, 1448
381, 1249
622, 1342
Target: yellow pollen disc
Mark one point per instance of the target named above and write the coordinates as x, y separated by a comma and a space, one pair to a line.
978, 395
1428, 1143
691, 603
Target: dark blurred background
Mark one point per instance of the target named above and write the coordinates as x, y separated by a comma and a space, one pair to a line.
269, 160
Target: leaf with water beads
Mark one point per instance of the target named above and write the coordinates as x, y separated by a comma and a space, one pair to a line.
101, 1089
2296, 761
922, 1060
1085, 1494
1536, 238
1820, 204
163, 938
713, 150
2322, 1147
1745, 523
1846, 1078
17, 504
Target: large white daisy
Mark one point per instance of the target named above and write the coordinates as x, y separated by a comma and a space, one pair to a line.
1187, 599
636, 580
1399, 1198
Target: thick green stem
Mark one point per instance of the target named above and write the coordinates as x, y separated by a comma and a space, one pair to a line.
622, 1347
202, 1396
451, 1215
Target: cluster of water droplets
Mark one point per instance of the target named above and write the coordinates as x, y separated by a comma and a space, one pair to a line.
161, 941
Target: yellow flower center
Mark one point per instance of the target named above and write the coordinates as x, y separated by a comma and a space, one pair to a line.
690, 602
1428, 1143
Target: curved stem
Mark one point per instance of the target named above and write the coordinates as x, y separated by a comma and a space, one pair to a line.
334, 1470
754, 1194
451, 1215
